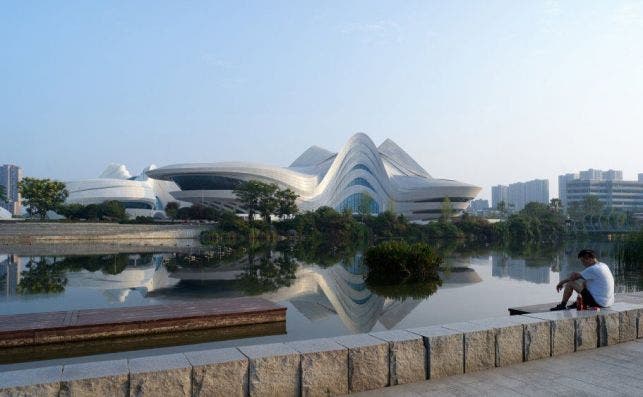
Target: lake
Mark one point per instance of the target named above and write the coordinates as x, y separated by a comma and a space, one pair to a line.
325, 297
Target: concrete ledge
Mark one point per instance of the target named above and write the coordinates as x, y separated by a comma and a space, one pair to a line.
563, 330
39, 382
167, 375
479, 345
219, 372
444, 351
368, 362
629, 315
273, 370
407, 356
324, 367
536, 337
102, 378
509, 339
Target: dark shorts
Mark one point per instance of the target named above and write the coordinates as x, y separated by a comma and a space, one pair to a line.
588, 299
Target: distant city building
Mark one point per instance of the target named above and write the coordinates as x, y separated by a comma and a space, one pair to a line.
10, 176
498, 194
520, 194
608, 186
599, 175
613, 194
479, 205
562, 186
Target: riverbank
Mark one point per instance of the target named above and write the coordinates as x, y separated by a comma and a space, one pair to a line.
61, 232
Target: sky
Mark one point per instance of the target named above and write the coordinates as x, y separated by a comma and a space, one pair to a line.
485, 92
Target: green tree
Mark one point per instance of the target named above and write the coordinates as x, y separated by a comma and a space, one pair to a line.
268, 203
3, 194
172, 209
364, 206
112, 210
555, 205
286, 202
447, 210
42, 195
250, 193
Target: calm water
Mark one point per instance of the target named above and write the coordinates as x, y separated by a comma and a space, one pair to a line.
322, 300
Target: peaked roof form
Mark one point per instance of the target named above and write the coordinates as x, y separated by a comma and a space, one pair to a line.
401, 159
115, 171
385, 176
312, 156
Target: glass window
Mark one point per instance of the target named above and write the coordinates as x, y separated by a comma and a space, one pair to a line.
360, 182
205, 182
355, 201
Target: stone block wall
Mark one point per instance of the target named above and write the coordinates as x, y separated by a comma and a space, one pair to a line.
336, 366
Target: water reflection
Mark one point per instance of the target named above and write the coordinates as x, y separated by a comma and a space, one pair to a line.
330, 293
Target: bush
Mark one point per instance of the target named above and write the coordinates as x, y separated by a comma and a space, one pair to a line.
394, 262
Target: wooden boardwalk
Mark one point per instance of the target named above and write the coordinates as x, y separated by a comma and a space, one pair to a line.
82, 325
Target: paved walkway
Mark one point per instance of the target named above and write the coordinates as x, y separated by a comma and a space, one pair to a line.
607, 371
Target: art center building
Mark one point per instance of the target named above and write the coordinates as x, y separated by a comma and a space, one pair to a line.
360, 174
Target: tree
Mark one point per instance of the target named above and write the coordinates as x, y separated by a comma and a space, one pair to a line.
268, 203
447, 210
555, 205
364, 206
249, 193
42, 195
3, 194
502, 207
286, 203
172, 209
112, 210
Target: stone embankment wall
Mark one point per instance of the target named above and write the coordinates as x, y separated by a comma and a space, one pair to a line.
60, 232
340, 365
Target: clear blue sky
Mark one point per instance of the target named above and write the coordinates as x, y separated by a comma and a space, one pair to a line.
485, 92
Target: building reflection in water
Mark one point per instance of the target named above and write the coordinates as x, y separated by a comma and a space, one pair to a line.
316, 292
503, 265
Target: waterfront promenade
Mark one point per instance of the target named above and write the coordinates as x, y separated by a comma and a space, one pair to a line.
609, 371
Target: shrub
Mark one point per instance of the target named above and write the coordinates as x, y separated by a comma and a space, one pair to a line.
394, 262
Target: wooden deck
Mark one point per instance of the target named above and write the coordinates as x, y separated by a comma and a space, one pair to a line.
82, 325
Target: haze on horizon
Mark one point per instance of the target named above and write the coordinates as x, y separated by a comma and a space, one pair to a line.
483, 92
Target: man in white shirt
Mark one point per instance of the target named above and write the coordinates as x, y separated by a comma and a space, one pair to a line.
595, 284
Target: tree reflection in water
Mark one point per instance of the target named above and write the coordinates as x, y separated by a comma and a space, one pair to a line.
268, 272
43, 275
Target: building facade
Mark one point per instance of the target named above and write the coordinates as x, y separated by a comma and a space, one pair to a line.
385, 176
140, 195
562, 186
10, 176
519, 194
498, 194
625, 196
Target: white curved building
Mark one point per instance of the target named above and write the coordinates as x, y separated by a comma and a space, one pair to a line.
140, 195
384, 177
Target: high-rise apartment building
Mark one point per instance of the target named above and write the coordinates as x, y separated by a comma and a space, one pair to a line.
498, 194
599, 175
10, 176
520, 194
562, 186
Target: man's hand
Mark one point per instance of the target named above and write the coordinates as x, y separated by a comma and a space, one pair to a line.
560, 285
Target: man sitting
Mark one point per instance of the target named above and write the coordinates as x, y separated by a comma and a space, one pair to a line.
595, 284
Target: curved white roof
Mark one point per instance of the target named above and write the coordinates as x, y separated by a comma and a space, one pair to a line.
320, 177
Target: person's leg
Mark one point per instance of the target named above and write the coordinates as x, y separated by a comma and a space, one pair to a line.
569, 289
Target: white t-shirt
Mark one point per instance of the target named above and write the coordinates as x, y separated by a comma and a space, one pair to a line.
600, 283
